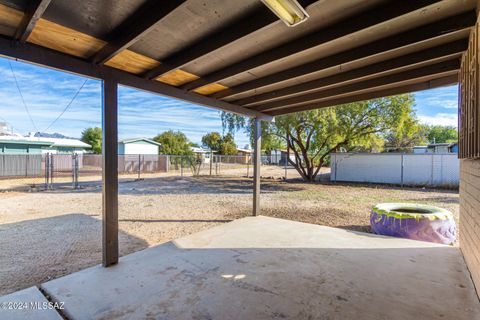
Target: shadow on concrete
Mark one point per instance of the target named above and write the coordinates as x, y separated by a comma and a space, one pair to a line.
35, 251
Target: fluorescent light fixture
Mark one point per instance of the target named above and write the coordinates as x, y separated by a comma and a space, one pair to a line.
289, 11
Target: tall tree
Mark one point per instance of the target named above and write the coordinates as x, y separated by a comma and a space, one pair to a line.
313, 135
212, 140
228, 146
223, 145
406, 134
93, 137
173, 143
441, 134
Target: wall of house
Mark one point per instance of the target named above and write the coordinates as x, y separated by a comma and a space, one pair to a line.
138, 147
470, 216
18, 148
469, 153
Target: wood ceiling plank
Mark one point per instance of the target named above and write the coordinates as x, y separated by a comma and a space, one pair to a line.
56, 37
238, 29
177, 77
375, 16
10, 20
446, 50
210, 89
132, 62
440, 28
135, 27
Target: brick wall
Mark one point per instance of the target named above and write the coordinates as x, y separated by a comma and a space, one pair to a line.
470, 216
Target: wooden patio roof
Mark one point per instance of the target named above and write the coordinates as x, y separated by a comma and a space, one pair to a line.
237, 56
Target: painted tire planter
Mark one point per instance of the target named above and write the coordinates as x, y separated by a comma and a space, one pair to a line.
413, 221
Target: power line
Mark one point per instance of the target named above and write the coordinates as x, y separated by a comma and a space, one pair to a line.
67, 106
21, 95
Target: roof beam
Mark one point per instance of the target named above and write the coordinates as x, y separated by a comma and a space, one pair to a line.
438, 52
33, 13
430, 70
134, 28
423, 85
345, 27
62, 62
439, 28
240, 28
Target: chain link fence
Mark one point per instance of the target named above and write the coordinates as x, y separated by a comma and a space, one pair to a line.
51, 171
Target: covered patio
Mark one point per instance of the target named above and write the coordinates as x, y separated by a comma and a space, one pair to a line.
268, 268
237, 56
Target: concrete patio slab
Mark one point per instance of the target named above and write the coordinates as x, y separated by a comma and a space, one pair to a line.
266, 268
27, 304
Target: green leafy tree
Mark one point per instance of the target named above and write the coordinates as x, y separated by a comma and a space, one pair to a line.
441, 134
93, 137
212, 140
173, 143
313, 135
224, 145
406, 133
228, 146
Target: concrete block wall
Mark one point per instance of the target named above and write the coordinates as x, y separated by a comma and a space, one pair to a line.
470, 216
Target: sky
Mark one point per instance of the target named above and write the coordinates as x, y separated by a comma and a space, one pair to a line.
47, 94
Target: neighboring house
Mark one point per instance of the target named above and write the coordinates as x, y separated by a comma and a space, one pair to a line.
138, 146
453, 148
202, 154
244, 155
437, 148
279, 157
10, 144
420, 149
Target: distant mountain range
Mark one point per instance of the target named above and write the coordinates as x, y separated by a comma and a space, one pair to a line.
51, 135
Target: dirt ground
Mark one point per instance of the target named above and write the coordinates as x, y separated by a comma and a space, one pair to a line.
45, 235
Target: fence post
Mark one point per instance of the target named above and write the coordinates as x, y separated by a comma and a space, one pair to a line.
432, 169
248, 165
73, 170
181, 166
26, 166
335, 167
77, 170
52, 168
139, 163
46, 170
401, 170
211, 160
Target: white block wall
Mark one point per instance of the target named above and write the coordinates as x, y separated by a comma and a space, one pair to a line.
395, 168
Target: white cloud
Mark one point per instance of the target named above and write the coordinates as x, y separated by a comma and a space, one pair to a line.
444, 119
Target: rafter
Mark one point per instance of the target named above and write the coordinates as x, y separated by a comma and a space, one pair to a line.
60, 61
443, 51
33, 13
423, 85
345, 27
430, 70
433, 30
238, 29
135, 27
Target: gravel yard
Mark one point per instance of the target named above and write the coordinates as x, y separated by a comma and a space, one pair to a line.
44, 235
